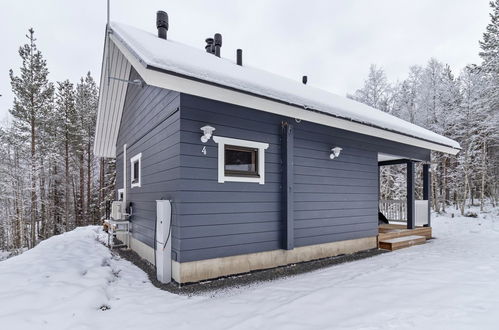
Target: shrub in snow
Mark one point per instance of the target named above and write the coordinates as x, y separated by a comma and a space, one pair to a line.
471, 214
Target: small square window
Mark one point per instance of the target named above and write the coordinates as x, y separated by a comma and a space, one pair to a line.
135, 170
241, 161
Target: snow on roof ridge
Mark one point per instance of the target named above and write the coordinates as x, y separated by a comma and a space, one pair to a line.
187, 60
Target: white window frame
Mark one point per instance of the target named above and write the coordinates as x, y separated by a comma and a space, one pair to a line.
222, 141
136, 158
121, 192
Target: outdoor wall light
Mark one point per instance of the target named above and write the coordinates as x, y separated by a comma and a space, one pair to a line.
207, 133
335, 152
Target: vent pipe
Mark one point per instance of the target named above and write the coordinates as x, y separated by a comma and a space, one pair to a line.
162, 23
209, 46
218, 44
239, 57
304, 80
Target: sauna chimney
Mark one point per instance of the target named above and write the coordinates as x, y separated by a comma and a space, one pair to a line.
162, 23
214, 44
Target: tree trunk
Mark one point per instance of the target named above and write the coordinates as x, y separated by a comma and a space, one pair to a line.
465, 192
81, 201
484, 171
101, 187
43, 217
66, 193
89, 183
33, 181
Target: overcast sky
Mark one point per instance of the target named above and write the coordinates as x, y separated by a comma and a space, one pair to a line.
333, 42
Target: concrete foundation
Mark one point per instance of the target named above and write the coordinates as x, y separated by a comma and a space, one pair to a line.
143, 250
196, 271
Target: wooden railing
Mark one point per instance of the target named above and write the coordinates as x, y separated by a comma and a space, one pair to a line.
396, 211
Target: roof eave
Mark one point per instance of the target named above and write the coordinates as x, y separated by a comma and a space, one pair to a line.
185, 84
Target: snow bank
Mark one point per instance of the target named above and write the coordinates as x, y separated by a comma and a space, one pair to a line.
449, 283
195, 62
4, 255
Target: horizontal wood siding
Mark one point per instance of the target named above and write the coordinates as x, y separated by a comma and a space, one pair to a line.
150, 125
334, 199
231, 218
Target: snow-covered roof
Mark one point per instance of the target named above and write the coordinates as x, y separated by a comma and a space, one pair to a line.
170, 57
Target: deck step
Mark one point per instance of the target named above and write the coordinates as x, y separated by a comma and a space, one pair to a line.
401, 242
389, 232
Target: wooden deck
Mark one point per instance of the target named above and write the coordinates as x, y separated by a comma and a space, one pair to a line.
393, 236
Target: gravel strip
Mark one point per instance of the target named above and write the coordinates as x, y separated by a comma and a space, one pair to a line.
241, 280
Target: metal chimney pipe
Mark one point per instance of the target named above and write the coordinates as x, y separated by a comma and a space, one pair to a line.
209, 45
304, 80
162, 23
218, 44
239, 57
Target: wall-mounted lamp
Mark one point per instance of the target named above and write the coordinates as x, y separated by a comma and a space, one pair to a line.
335, 152
207, 133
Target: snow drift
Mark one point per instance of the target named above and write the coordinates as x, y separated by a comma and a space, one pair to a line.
72, 281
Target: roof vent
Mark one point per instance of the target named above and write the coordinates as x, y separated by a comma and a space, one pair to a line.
214, 44
304, 80
162, 23
218, 44
239, 57
209, 46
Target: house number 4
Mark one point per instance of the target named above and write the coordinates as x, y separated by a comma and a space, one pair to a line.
204, 150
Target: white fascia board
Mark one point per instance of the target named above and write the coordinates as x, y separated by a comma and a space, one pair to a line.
100, 111
197, 88
112, 95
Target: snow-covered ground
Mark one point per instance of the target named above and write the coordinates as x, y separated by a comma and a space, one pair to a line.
4, 255
70, 281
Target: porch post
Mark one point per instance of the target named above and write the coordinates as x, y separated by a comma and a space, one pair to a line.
426, 189
410, 195
287, 148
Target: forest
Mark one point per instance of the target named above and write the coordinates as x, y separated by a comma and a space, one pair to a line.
463, 107
50, 181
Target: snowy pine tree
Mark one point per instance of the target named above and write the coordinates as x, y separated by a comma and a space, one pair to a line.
32, 95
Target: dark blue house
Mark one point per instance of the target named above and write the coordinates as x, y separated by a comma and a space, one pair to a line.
261, 171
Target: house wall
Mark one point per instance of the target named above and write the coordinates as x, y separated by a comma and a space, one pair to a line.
224, 219
150, 125
335, 200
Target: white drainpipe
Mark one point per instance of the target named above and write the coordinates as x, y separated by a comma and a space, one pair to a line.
124, 179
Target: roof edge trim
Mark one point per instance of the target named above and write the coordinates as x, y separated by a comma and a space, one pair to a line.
195, 86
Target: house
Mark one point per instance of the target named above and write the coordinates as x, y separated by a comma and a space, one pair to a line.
261, 171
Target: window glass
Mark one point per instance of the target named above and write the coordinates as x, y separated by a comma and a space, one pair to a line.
135, 171
241, 161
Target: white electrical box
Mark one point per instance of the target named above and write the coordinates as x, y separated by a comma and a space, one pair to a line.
163, 241
117, 210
